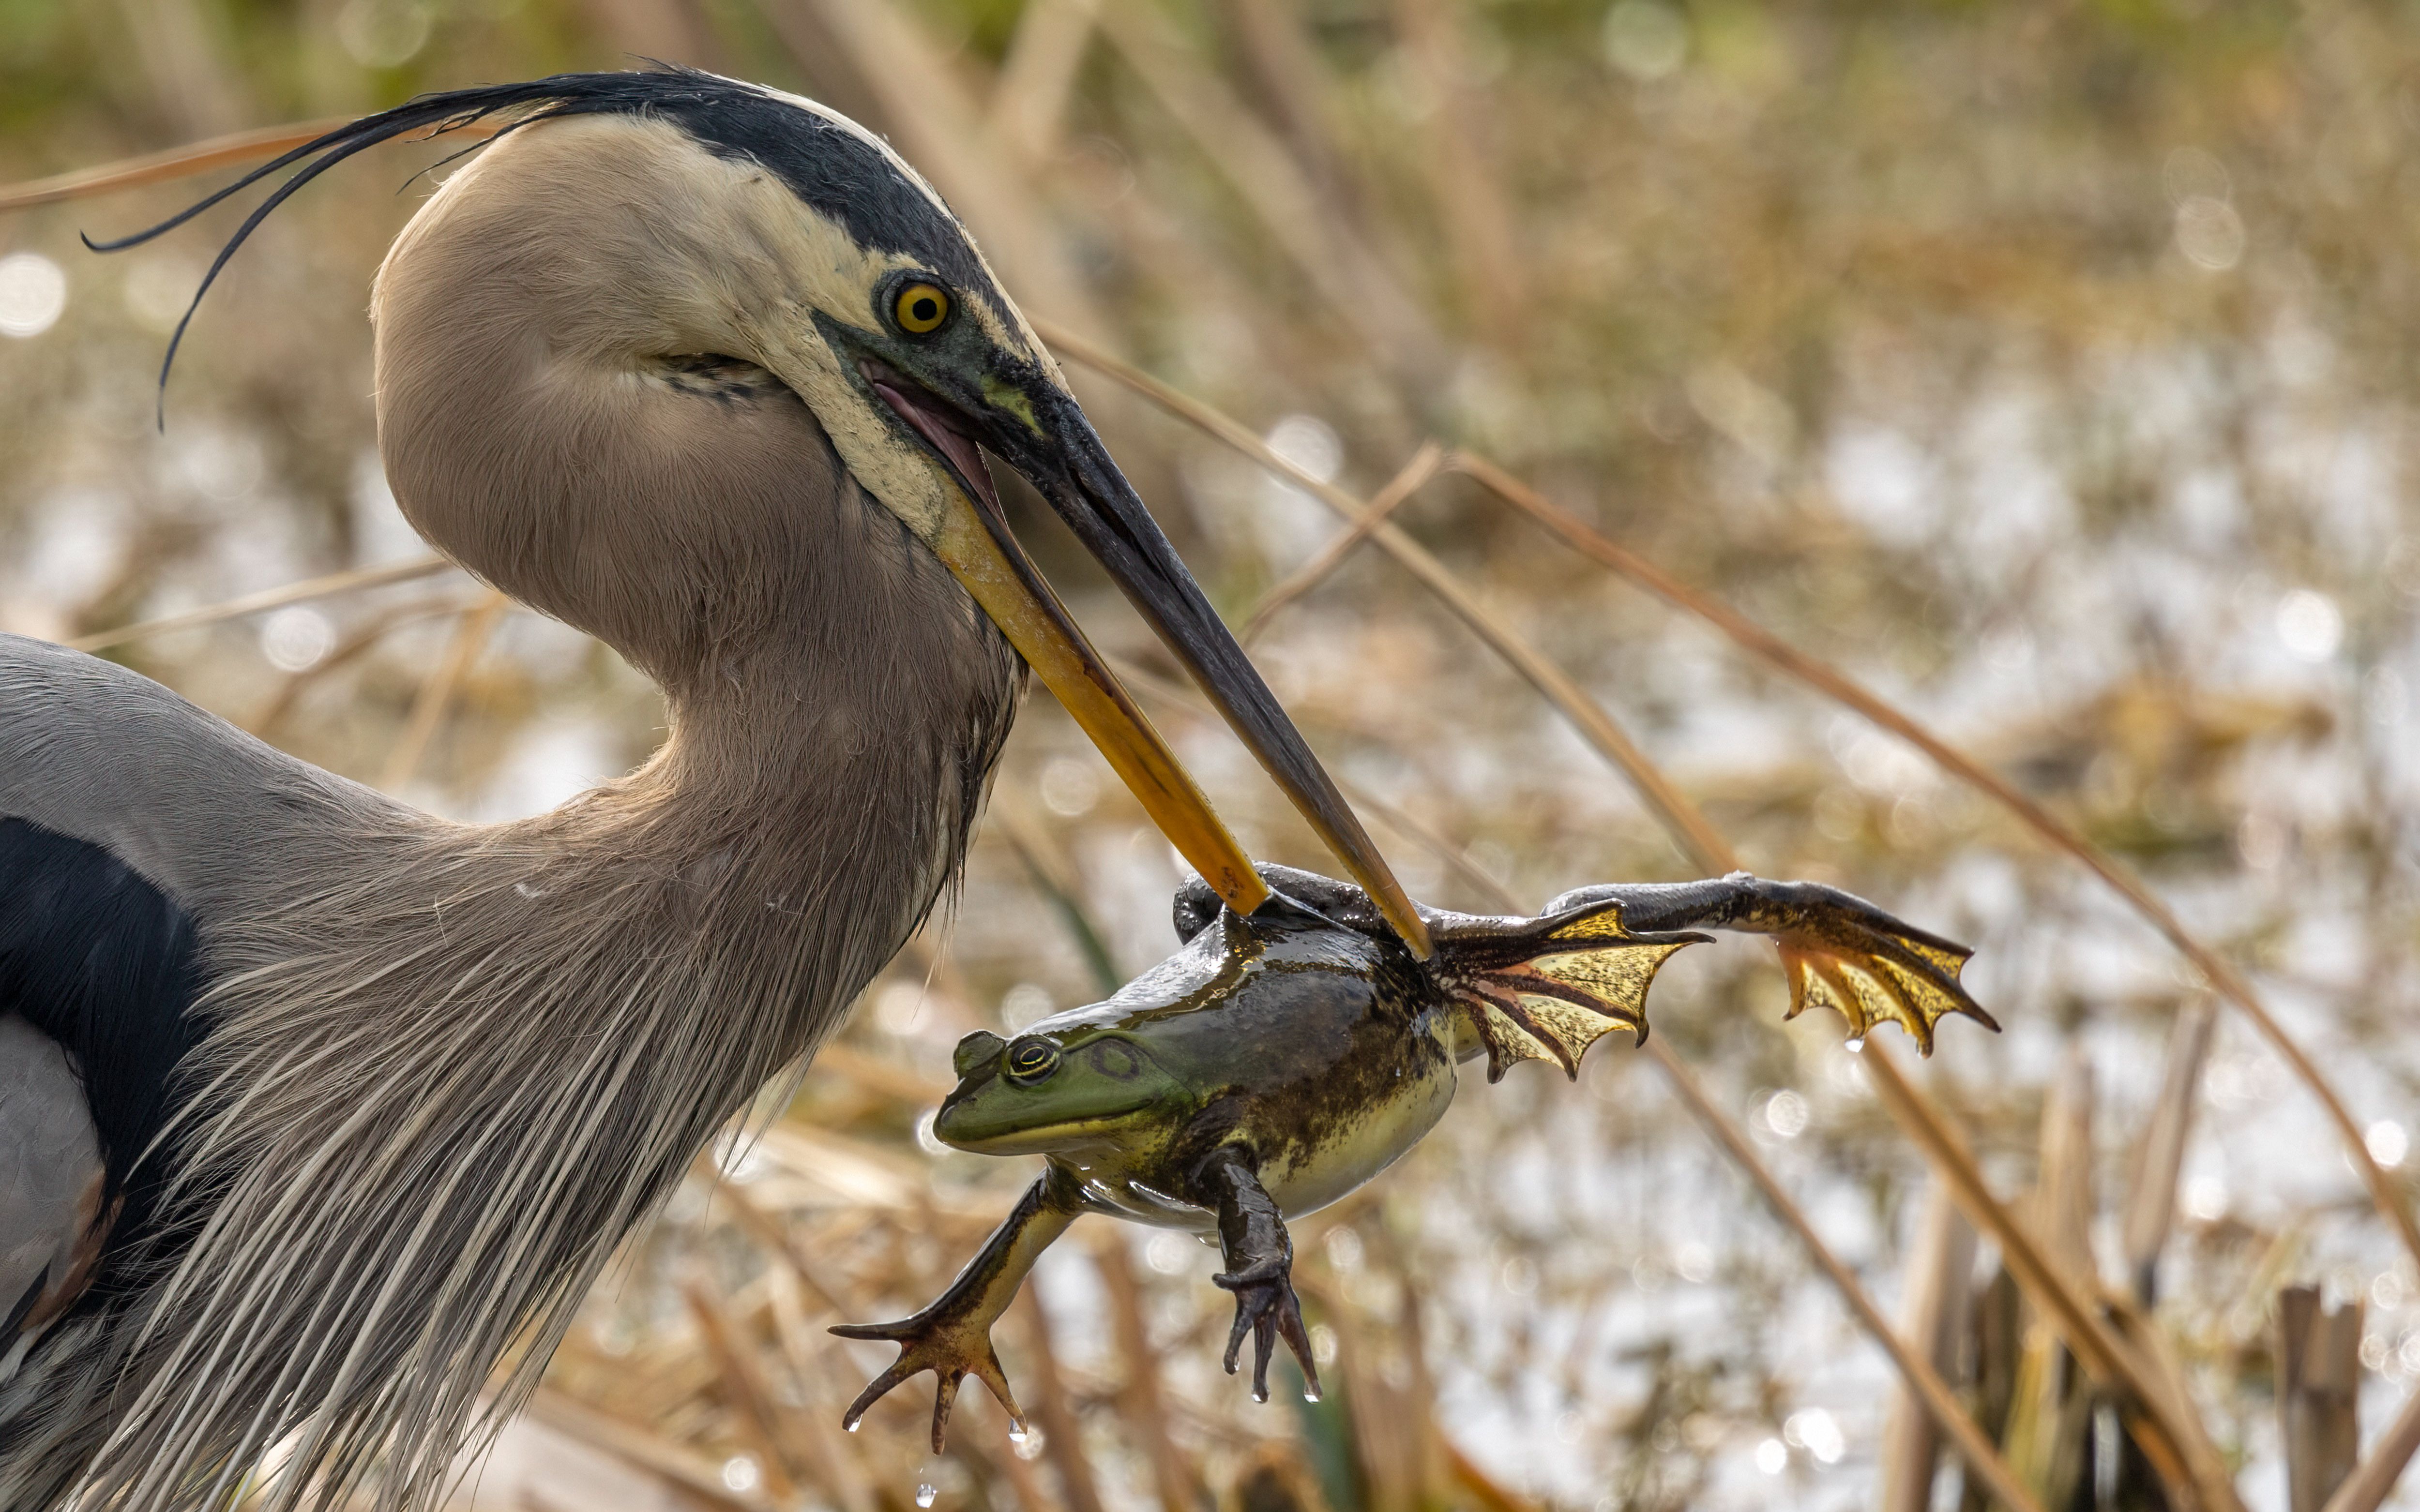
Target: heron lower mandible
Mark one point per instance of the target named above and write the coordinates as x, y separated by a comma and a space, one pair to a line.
312, 1105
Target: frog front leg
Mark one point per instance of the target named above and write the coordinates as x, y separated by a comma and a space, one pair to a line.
1259, 1267
951, 1336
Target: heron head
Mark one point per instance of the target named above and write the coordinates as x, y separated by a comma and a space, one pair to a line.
666, 212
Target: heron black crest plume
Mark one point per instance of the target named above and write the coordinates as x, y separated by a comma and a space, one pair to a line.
711, 373
723, 114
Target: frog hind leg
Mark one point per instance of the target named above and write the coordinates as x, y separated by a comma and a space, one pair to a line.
951, 1336
1839, 950
1259, 1253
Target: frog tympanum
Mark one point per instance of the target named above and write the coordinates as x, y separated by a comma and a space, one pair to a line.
1280, 1060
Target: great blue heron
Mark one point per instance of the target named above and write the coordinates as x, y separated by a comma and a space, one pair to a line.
312, 1105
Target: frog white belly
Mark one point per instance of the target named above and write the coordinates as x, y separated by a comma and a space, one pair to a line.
1304, 1177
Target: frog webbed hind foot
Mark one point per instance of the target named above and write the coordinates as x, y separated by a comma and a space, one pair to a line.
951, 1348
1841, 953
1260, 1270
1839, 950
951, 1338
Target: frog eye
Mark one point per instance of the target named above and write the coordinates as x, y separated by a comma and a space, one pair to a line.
1031, 1060
920, 307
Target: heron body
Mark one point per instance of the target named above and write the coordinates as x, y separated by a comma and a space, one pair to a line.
311, 1103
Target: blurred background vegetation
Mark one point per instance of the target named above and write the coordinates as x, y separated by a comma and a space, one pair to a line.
2048, 367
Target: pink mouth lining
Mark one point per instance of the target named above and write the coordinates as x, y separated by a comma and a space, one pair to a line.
941, 431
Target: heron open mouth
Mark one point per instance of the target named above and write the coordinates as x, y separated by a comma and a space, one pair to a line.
1066, 463
942, 427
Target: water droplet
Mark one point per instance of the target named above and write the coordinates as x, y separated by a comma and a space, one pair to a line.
1017, 1432
1310, 1393
853, 1424
925, 1493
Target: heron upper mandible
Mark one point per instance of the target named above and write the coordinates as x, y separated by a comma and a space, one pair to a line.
311, 1105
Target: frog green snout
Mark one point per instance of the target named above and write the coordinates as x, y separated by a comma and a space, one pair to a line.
1036, 1094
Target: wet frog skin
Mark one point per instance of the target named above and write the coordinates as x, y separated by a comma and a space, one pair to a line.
1280, 1060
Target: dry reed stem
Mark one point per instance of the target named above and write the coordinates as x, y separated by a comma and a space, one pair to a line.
840, 1473
1139, 1400
437, 693
273, 711
1358, 285
2373, 1480
2151, 1197
2319, 1386
1029, 103
159, 167
638, 1445
1062, 1434
1787, 659
1674, 810
1415, 475
2049, 1416
1935, 1304
268, 599
1480, 223
1938, 1400
774, 1235
750, 1400
2170, 1435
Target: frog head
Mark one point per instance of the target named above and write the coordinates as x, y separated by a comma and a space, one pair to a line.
1050, 1091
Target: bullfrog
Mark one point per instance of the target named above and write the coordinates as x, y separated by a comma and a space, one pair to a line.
1281, 1058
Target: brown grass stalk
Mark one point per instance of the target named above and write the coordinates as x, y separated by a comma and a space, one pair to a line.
2167, 1429
159, 167
358, 643
1353, 280
329, 586
1935, 1306
1939, 1402
2373, 1480
1414, 477
1140, 1401
437, 693
1062, 1430
2160, 1149
636, 1444
1671, 808
745, 1393
1784, 657
1028, 102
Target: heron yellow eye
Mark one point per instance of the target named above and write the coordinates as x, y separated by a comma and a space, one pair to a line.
1030, 1060
920, 308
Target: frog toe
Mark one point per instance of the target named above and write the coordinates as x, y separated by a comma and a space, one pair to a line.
1843, 953
1267, 1309
951, 1351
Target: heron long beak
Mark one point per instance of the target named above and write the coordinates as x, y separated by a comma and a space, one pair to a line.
1064, 458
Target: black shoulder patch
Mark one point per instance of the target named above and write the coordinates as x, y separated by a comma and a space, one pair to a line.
100, 959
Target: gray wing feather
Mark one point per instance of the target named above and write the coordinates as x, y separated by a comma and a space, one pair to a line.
50, 1166
96, 752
